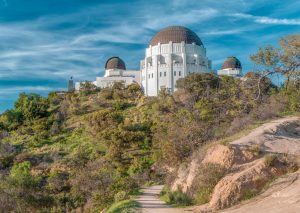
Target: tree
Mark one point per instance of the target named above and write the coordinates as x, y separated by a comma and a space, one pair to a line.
284, 61
87, 87
198, 84
32, 106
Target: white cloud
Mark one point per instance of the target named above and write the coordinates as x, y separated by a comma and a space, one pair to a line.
224, 32
163, 19
268, 20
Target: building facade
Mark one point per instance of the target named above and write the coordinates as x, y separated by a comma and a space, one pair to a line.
115, 71
231, 67
173, 53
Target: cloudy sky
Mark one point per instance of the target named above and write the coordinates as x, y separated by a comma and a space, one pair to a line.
44, 42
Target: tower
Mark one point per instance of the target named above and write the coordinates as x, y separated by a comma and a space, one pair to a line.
70, 85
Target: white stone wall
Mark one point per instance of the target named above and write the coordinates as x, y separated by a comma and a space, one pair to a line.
164, 64
135, 74
103, 82
230, 72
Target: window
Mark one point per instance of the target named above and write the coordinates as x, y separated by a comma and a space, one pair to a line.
152, 75
179, 73
149, 76
160, 74
174, 73
165, 74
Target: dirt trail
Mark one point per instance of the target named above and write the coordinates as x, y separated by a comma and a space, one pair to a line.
150, 203
278, 136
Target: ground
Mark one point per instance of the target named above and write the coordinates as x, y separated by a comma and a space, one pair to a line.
150, 203
283, 195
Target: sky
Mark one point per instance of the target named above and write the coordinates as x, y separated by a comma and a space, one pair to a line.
45, 42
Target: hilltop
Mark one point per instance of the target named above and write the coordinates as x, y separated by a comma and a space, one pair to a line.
88, 150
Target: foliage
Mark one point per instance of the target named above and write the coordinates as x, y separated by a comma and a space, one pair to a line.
284, 61
71, 152
87, 88
125, 206
176, 198
207, 178
270, 160
32, 106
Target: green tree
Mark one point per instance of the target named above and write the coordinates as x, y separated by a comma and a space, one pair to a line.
32, 106
284, 60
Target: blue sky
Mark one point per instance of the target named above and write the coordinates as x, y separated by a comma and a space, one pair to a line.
44, 42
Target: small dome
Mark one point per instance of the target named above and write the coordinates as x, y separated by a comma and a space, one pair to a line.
176, 34
232, 63
115, 63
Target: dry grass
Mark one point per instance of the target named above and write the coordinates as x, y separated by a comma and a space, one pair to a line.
270, 160
246, 131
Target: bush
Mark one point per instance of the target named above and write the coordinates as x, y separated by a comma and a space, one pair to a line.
177, 198
207, 178
271, 160
120, 196
125, 206
255, 149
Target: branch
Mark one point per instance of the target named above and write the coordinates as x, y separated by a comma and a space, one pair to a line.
259, 82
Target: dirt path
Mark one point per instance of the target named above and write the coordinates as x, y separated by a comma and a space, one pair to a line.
278, 136
150, 202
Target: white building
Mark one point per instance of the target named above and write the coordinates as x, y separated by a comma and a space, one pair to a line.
115, 71
231, 67
173, 53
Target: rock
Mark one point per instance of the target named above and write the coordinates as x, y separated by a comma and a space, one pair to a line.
246, 169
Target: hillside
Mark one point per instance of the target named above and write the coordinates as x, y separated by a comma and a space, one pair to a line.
86, 151
244, 167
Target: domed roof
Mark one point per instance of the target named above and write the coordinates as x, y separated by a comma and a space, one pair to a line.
176, 34
115, 63
232, 62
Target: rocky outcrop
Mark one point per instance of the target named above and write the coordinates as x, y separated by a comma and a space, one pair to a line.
247, 169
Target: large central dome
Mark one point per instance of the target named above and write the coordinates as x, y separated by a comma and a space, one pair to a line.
176, 34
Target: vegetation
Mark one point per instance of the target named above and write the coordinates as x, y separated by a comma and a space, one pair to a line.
176, 199
125, 206
89, 150
209, 175
270, 160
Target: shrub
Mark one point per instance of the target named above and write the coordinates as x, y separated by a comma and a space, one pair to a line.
177, 198
207, 178
120, 196
255, 149
248, 195
270, 160
125, 206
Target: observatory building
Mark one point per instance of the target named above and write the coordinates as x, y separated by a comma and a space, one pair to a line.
231, 67
115, 71
173, 53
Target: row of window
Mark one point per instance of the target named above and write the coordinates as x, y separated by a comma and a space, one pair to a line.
165, 74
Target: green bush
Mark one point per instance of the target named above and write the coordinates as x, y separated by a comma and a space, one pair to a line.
125, 206
120, 196
207, 178
176, 198
271, 160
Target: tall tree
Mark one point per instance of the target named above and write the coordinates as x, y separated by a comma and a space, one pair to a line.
284, 60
